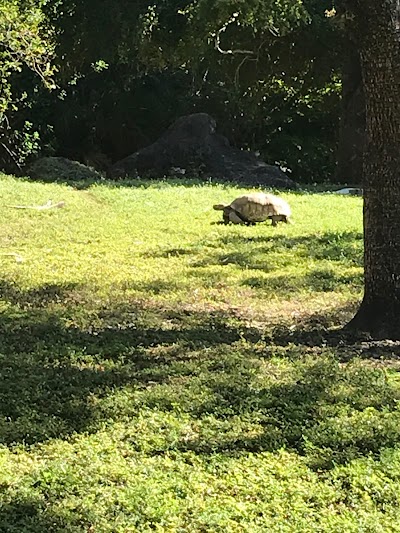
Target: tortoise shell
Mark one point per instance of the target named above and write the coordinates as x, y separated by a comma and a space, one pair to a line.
255, 207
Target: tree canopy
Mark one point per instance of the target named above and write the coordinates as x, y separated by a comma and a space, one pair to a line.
268, 71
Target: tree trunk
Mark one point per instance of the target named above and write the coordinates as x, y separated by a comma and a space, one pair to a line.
377, 30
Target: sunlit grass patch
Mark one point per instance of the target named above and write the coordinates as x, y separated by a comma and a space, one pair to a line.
161, 241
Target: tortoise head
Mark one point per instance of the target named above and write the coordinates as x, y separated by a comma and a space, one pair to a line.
219, 207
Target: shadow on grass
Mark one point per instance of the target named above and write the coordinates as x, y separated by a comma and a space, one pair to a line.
277, 252
263, 255
346, 246
328, 415
318, 280
55, 372
30, 515
39, 297
326, 329
343, 247
187, 181
243, 389
305, 389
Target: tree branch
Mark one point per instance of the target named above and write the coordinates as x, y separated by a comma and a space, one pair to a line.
228, 52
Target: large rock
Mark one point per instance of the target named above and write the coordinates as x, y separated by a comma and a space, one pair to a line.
61, 169
192, 144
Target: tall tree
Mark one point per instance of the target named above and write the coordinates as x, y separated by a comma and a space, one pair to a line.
375, 26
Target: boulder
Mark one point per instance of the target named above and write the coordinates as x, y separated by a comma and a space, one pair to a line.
61, 169
192, 145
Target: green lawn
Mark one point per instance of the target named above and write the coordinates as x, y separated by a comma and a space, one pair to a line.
162, 372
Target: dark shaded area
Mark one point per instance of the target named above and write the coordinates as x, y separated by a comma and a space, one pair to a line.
30, 515
50, 369
319, 280
322, 331
346, 246
329, 245
191, 143
261, 254
60, 370
38, 297
378, 314
296, 417
352, 121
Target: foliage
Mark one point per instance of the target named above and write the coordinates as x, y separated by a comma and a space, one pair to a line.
283, 94
24, 45
267, 71
163, 373
278, 92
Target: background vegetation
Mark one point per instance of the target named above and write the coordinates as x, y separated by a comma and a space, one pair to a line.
268, 71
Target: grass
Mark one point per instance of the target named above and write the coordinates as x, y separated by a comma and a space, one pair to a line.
162, 372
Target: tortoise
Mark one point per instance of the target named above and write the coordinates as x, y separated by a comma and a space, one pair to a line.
255, 207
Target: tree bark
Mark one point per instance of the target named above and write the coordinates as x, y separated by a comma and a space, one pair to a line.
376, 26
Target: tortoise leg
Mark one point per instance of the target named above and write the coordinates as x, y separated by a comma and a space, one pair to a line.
275, 219
226, 218
235, 219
